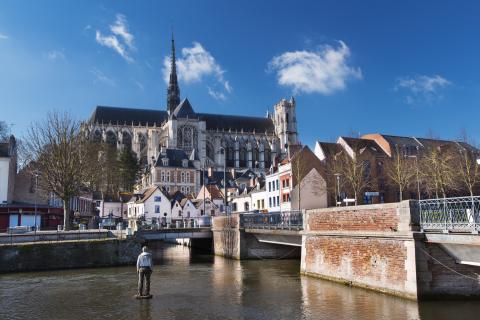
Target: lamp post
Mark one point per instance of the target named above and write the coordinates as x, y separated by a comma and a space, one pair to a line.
36, 187
337, 189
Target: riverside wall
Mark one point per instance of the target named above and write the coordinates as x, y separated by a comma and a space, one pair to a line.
68, 254
380, 247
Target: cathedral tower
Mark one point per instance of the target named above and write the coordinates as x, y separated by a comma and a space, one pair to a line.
285, 121
173, 91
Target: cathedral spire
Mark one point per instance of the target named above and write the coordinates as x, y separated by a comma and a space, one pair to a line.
173, 92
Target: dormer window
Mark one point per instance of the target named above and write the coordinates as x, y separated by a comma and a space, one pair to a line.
165, 162
185, 163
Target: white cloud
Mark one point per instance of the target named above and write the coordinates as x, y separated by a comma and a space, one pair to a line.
422, 88
197, 64
3, 36
55, 55
323, 71
121, 40
217, 95
100, 77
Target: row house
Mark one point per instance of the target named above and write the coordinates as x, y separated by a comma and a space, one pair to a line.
154, 206
373, 151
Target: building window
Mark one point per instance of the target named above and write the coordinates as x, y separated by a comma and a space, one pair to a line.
157, 198
269, 186
269, 202
187, 189
165, 162
263, 203
185, 163
167, 176
277, 184
182, 177
162, 176
187, 177
278, 200
157, 209
246, 206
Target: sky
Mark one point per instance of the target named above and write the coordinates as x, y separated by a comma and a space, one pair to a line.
394, 67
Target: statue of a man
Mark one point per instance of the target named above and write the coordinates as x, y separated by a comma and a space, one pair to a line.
144, 270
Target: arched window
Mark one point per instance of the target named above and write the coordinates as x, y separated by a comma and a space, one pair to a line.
111, 139
167, 177
187, 177
187, 137
182, 179
127, 140
97, 136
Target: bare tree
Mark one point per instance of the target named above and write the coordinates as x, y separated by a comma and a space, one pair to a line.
399, 170
354, 172
467, 168
4, 131
60, 156
438, 169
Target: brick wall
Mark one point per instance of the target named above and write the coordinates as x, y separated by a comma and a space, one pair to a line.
391, 217
369, 246
376, 263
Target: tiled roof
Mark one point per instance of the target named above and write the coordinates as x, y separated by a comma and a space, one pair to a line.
361, 144
147, 194
215, 192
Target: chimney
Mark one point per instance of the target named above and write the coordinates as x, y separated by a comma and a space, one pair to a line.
232, 172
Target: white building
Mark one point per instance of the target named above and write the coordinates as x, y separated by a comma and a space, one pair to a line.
150, 205
272, 192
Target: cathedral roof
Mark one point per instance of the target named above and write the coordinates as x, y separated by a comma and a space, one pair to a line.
184, 110
140, 117
237, 123
144, 117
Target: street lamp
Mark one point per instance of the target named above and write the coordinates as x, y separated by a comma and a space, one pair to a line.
36, 187
337, 189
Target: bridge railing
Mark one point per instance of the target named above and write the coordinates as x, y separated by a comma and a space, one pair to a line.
460, 214
289, 220
186, 223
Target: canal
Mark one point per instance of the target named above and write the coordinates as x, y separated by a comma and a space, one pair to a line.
192, 285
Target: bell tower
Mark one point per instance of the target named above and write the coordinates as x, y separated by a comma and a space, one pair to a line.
285, 121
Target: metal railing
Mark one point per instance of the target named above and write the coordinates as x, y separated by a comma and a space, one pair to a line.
289, 220
460, 214
11, 237
187, 223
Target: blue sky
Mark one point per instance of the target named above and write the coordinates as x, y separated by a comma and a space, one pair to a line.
397, 67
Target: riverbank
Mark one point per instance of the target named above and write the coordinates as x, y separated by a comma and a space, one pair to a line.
68, 254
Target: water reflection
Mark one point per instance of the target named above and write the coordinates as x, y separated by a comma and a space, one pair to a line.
201, 286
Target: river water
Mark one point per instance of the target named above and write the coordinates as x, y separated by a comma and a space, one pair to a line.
190, 285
